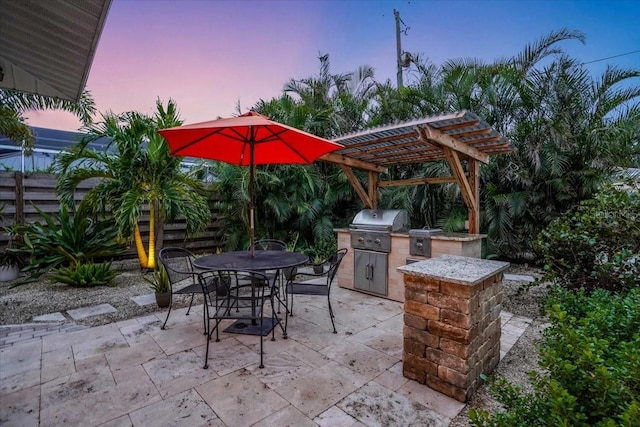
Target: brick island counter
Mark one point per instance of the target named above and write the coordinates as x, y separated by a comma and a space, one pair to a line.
452, 322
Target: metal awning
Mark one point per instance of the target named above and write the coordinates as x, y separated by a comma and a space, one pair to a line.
456, 137
422, 140
46, 47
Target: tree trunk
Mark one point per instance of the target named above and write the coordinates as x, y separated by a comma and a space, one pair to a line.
159, 226
151, 264
142, 256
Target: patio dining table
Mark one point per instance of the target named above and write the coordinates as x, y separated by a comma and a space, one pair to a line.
261, 261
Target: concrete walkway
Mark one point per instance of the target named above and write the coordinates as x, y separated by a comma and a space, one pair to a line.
133, 373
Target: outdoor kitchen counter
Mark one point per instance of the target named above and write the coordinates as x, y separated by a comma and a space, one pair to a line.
462, 244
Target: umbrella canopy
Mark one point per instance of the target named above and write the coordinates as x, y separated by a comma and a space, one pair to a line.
247, 140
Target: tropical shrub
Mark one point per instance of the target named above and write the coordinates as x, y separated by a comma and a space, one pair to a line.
597, 245
85, 275
591, 359
67, 241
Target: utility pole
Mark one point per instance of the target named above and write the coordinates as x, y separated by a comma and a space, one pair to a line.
398, 48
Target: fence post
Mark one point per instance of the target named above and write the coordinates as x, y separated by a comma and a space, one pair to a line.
19, 192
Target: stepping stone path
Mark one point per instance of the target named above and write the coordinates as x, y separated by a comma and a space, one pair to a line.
83, 312
51, 317
143, 300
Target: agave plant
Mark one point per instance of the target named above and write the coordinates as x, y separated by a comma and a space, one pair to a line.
67, 241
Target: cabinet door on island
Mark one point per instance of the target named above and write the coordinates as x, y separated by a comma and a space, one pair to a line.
370, 271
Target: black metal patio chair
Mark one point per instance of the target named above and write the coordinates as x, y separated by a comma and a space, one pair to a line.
243, 299
316, 286
183, 278
272, 245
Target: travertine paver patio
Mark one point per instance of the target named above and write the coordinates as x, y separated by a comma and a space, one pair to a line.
133, 373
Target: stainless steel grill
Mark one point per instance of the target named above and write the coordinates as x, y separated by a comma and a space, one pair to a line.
371, 240
371, 228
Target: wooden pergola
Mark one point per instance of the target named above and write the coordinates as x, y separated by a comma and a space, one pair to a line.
457, 137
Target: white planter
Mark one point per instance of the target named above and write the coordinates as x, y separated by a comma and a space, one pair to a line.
9, 272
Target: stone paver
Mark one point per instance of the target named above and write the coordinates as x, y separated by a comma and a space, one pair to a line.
13, 334
50, 317
143, 300
132, 372
95, 310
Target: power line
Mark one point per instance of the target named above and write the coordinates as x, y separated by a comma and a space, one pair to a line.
610, 57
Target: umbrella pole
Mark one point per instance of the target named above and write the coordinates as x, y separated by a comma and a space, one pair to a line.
251, 196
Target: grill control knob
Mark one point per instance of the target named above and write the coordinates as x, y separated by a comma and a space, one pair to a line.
377, 241
360, 239
419, 245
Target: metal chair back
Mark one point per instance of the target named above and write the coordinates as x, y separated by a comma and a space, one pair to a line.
269, 245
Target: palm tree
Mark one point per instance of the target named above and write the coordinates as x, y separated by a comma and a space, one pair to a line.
139, 172
570, 132
14, 104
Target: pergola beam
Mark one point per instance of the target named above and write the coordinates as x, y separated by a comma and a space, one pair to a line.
431, 135
358, 187
418, 181
341, 160
469, 194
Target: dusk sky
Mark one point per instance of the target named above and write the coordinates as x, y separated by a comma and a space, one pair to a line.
208, 55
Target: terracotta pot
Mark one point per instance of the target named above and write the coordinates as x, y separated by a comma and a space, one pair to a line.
9, 272
163, 299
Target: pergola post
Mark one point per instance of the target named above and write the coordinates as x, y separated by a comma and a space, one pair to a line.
474, 183
373, 189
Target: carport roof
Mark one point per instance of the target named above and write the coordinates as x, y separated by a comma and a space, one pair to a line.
422, 140
46, 47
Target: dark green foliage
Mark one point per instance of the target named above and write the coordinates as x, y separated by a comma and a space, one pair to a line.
598, 245
85, 275
68, 241
591, 359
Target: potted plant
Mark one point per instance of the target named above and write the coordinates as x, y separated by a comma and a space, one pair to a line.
160, 283
316, 258
318, 263
10, 260
9, 266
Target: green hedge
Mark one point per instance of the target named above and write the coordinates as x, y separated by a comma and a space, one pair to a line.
597, 246
591, 363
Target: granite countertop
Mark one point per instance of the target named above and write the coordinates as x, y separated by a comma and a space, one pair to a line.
455, 269
461, 237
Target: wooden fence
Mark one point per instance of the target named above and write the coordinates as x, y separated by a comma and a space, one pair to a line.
19, 193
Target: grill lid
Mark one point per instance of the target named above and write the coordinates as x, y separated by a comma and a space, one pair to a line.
381, 219
424, 232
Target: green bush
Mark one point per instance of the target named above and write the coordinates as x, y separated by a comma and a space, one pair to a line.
591, 359
598, 245
85, 275
67, 241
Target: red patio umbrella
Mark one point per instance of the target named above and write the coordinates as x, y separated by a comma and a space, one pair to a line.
247, 140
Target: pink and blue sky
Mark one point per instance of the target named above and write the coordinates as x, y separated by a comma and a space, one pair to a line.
208, 55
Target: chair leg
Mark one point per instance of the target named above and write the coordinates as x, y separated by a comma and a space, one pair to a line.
291, 310
190, 304
206, 354
331, 315
167, 318
261, 344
